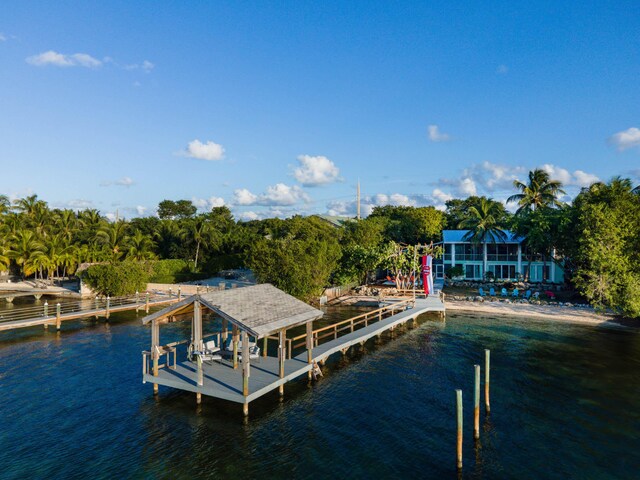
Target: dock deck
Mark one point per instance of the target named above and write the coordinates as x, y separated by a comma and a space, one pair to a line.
220, 380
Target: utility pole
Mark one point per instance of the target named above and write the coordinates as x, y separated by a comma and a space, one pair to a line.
358, 199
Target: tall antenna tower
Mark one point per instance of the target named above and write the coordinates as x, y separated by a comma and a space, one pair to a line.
358, 200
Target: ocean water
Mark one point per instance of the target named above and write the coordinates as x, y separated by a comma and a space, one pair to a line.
565, 403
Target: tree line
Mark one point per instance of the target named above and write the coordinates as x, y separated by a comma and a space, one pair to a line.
596, 237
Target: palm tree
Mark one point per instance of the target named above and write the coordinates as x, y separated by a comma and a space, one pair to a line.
540, 191
5, 260
483, 226
114, 237
26, 247
4, 204
200, 231
140, 247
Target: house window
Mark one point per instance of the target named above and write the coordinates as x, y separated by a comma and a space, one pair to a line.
503, 271
473, 271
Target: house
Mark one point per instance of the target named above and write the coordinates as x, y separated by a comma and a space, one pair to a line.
506, 259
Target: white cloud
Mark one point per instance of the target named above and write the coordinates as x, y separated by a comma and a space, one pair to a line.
502, 69
123, 182
204, 151
207, 204
247, 216
578, 178
275, 195
62, 60
242, 196
3, 37
435, 135
626, 139
441, 196
140, 210
369, 202
314, 171
146, 66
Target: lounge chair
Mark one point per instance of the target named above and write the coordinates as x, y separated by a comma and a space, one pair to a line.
515, 293
527, 294
481, 292
227, 349
210, 352
504, 293
492, 292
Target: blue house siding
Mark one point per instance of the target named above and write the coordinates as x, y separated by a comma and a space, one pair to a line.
504, 258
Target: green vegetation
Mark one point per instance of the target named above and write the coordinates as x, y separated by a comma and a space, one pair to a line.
117, 278
597, 238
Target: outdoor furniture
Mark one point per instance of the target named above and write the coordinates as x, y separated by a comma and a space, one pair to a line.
536, 295
492, 292
504, 292
167, 350
481, 292
227, 349
515, 293
527, 294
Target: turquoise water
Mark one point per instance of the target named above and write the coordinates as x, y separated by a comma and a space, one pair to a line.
565, 404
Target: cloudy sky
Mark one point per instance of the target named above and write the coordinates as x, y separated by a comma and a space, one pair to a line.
275, 110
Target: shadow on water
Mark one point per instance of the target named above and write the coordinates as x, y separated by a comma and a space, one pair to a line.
564, 404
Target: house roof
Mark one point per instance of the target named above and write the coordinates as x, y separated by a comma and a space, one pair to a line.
456, 236
259, 309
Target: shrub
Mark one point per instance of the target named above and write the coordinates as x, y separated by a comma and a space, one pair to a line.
456, 271
117, 278
169, 271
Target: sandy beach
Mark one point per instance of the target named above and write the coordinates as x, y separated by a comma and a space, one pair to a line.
548, 312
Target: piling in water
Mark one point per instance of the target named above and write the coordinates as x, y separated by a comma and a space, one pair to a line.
459, 424
476, 404
487, 354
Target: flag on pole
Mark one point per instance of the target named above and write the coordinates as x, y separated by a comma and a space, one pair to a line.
427, 278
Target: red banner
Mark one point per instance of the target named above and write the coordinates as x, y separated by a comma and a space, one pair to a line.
426, 270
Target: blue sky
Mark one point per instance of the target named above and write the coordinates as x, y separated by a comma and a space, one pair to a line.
276, 109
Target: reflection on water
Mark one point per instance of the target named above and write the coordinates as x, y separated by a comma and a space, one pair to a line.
564, 404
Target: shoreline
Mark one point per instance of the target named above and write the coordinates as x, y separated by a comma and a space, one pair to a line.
554, 313
544, 312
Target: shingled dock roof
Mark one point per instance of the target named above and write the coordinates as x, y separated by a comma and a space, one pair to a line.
261, 310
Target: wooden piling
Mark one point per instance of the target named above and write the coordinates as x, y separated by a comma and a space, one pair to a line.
487, 366
200, 374
264, 346
310, 347
58, 316
281, 355
245, 363
198, 398
146, 302
235, 346
245, 409
459, 425
476, 404
107, 307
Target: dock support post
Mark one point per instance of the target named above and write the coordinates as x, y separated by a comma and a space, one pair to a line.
264, 346
197, 326
281, 355
179, 293
46, 314
146, 302
235, 346
57, 316
476, 404
310, 347
155, 342
459, 426
198, 398
225, 333
108, 305
246, 368
245, 409
137, 298
200, 374
487, 361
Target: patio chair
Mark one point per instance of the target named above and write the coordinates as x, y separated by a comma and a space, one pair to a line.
492, 292
481, 292
227, 349
503, 292
515, 293
527, 294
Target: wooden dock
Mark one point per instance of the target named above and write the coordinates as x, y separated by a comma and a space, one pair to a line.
55, 314
219, 379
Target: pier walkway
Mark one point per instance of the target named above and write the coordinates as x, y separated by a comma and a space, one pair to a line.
219, 379
55, 314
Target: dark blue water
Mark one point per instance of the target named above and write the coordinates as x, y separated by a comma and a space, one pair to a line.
565, 404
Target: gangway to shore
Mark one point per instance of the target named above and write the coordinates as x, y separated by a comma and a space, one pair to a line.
55, 314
